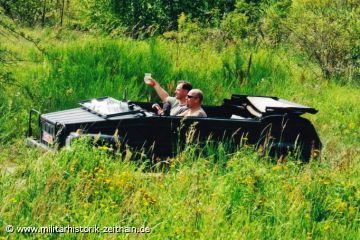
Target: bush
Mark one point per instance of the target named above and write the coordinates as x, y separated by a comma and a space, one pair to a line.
328, 32
146, 18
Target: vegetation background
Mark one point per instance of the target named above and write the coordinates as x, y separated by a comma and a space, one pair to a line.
55, 53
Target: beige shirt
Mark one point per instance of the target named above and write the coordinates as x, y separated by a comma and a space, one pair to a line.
176, 106
197, 113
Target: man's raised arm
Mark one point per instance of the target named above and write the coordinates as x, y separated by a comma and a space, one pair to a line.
159, 90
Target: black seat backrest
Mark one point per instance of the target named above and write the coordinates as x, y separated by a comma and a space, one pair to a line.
237, 109
217, 112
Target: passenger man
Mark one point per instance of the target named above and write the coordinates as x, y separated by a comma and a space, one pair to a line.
177, 103
193, 102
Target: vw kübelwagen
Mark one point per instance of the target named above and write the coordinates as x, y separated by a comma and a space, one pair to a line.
270, 122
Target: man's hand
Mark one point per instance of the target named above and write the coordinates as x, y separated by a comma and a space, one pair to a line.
159, 90
149, 81
159, 110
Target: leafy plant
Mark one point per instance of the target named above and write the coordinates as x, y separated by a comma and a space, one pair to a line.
328, 31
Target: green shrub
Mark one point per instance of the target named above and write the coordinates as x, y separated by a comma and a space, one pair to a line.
328, 32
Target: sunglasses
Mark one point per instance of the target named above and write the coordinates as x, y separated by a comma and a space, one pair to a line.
188, 96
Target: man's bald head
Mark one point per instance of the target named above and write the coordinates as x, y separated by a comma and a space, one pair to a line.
194, 98
197, 93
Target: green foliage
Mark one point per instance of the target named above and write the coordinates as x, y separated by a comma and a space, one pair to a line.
101, 68
5, 74
257, 21
197, 197
28, 12
190, 31
272, 25
328, 31
252, 10
12, 114
82, 70
145, 18
42, 12
99, 15
235, 26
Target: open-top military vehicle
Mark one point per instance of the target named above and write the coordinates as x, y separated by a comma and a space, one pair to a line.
270, 122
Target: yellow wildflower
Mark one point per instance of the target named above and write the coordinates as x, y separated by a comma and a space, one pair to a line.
105, 148
249, 181
327, 225
277, 167
357, 194
340, 205
315, 153
352, 210
69, 92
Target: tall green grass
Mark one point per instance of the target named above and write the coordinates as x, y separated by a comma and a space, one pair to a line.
243, 197
204, 194
92, 68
